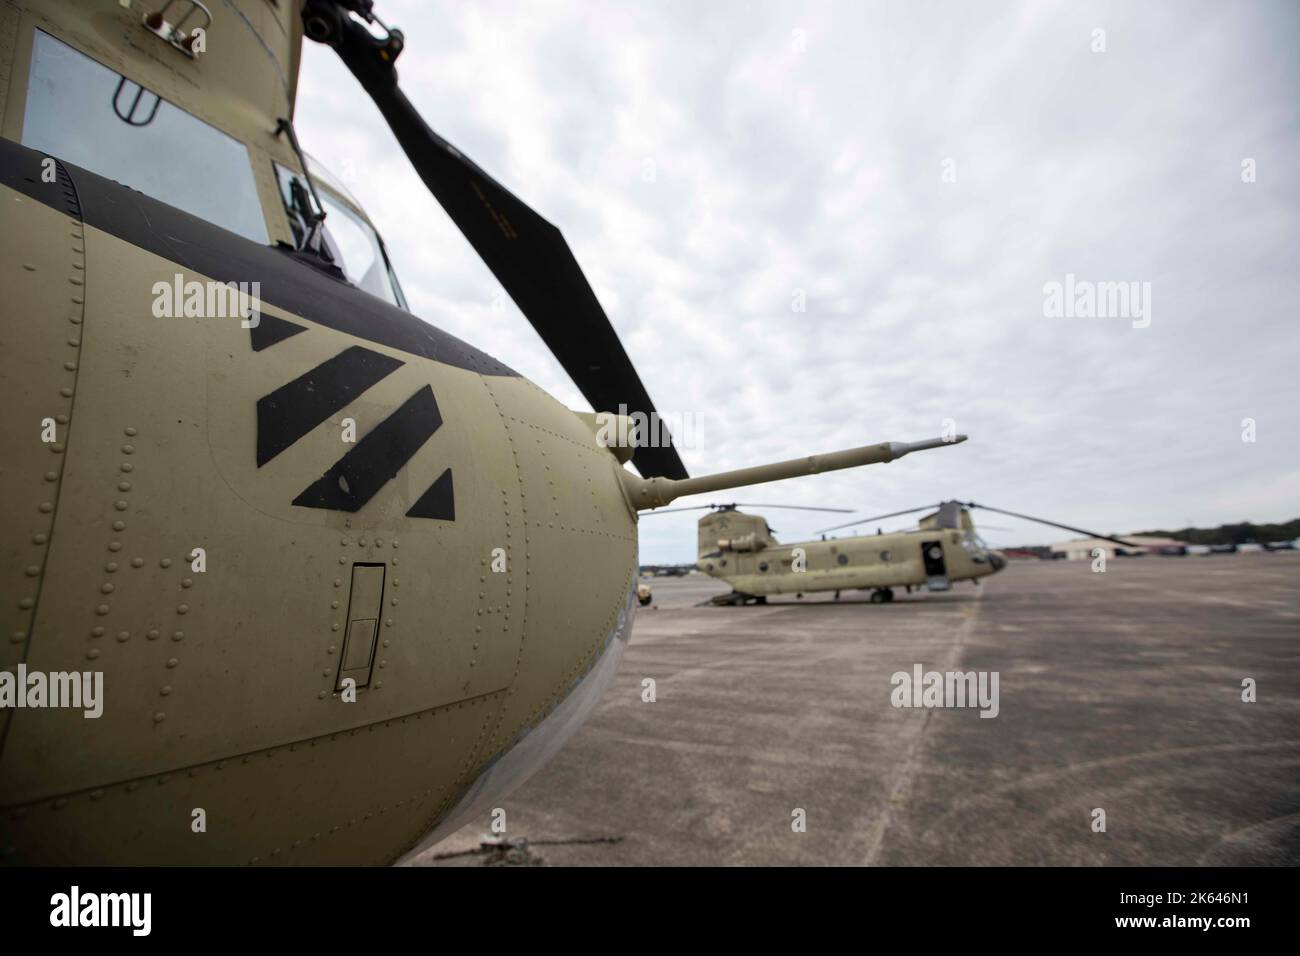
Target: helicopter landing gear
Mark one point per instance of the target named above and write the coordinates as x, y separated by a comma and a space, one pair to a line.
734, 599
882, 595
837, 595
761, 599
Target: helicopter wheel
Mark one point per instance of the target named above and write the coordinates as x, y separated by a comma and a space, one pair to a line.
889, 594
761, 599
878, 597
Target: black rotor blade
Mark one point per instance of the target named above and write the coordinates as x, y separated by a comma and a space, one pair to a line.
527, 254
892, 514
1055, 524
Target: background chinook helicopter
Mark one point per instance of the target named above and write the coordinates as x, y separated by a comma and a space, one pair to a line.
740, 549
334, 651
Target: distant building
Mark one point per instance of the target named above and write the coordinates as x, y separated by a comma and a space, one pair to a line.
1081, 549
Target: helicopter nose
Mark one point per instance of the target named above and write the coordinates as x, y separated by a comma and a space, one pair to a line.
997, 560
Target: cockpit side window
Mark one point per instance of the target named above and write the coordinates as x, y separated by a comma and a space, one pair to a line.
975, 546
80, 111
352, 242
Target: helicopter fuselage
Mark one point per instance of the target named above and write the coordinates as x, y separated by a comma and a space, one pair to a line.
738, 548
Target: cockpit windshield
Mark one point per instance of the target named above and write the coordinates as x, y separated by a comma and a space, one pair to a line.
352, 242
80, 111
975, 546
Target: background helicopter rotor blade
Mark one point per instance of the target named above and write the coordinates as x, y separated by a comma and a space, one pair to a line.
668, 511
892, 514
1053, 524
526, 253
746, 504
752, 504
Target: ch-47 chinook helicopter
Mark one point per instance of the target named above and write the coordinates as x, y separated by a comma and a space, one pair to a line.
740, 549
231, 633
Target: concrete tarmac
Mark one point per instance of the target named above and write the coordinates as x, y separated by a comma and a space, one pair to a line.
1119, 692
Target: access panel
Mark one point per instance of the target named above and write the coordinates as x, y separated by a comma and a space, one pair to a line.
364, 605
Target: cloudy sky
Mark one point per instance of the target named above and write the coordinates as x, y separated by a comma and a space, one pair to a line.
916, 174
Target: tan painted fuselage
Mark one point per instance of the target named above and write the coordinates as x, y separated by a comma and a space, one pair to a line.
220, 685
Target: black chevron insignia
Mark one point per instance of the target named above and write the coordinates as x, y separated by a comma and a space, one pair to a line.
356, 477
438, 502
270, 330
293, 410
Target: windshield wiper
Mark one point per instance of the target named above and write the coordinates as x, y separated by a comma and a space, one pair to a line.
313, 219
